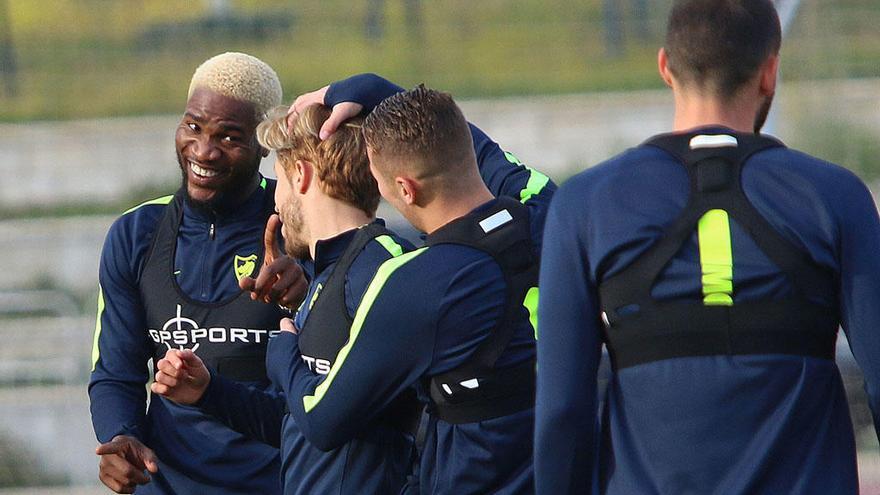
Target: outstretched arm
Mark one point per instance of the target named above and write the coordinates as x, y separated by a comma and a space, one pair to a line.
503, 173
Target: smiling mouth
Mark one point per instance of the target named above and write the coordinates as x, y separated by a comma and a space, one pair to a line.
202, 173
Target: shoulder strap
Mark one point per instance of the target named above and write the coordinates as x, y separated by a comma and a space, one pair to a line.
640, 329
166, 230
332, 298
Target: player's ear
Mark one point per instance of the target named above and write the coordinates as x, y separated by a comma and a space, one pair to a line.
769, 70
305, 174
408, 189
663, 67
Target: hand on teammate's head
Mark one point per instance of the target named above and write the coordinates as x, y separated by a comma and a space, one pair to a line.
339, 114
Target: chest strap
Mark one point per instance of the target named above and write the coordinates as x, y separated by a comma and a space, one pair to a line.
640, 329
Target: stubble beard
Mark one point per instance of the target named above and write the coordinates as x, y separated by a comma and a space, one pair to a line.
293, 228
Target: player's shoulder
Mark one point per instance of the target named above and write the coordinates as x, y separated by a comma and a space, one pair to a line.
138, 222
617, 173
380, 249
822, 171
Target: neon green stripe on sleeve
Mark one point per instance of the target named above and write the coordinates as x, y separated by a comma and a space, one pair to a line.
382, 275
388, 243
716, 258
531, 304
164, 200
96, 353
536, 181
263, 183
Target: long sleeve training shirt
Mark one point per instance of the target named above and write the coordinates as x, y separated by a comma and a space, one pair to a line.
424, 313
196, 453
750, 424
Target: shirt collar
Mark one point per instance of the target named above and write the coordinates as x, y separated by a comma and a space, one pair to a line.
248, 209
328, 251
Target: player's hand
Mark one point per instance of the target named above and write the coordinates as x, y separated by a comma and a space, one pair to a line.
123, 461
281, 280
339, 114
181, 376
287, 325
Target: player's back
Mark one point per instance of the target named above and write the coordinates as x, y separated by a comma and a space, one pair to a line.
724, 423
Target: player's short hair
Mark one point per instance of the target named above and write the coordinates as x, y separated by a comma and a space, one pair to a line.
424, 130
340, 161
241, 77
719, 45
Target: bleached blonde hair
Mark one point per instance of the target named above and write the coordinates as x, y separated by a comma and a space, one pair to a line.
241, 77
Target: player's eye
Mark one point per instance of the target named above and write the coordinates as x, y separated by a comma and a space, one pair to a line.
193, 127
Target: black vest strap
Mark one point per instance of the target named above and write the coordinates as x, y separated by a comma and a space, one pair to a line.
640, 329
328, 323
328, 326
477, 390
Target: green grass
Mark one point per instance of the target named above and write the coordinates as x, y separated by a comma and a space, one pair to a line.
82, 58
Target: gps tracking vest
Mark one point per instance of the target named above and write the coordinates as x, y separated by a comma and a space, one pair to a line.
477, 390
639, 329
328, 325
230, 336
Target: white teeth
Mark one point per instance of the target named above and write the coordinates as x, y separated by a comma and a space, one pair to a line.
202, 172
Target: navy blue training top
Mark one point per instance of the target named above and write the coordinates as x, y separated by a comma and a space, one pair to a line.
757, 424
379, 459
205, 270
425, 319
424, 313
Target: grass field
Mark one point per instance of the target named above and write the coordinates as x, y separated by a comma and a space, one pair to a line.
89, 58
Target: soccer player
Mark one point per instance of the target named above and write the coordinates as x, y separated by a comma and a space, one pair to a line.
330, 181
716, 265
170, 277
453, 318
327, 202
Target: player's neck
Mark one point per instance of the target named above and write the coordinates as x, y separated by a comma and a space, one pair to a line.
333, 217
694, 110
453, 205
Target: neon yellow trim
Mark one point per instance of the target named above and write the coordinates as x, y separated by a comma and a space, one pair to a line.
716, 258
388, 243
536, 182
164, 200
382, 275
263, 183
96, 353
314, 298
531, 304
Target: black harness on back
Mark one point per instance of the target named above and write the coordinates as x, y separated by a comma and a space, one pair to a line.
328, 324
650, 330
477, 390
230, 336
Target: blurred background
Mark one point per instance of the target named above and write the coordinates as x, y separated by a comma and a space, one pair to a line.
91, 92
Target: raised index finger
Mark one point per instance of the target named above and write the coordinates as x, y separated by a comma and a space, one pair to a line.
271, 248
